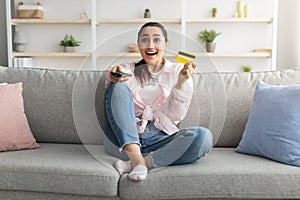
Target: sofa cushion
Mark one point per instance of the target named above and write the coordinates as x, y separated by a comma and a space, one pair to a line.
62, 106
60, 168
21, 195
222, 101
15, 132
67, 105
222, 174
273, 128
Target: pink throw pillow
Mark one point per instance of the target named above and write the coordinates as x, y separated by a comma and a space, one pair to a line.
15, 133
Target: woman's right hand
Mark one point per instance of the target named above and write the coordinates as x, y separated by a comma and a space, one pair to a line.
117, 79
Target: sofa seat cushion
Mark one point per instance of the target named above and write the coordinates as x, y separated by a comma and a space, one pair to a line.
59, 168
222, 174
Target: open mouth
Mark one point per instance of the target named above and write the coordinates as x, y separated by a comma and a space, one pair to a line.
151, 53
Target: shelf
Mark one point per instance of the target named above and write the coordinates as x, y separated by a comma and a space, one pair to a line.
50, 54
135, 55
136, 20
213, 55
141, 20
127, 55
230, 20
236, 55
100, 27
51, 21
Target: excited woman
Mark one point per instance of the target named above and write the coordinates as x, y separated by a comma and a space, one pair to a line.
144, 103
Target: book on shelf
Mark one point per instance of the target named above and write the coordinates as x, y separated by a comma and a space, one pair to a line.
22, 62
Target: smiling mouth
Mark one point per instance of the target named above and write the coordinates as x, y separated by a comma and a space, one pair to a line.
151, 53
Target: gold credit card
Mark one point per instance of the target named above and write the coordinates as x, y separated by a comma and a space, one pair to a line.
184, 57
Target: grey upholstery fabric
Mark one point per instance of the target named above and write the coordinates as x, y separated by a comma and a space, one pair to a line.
222, 101
66, 106
21, 195
60, 105
222, 174
60, 168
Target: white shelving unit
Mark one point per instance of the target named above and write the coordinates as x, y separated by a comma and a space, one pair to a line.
50, 21
231, 20
183, 23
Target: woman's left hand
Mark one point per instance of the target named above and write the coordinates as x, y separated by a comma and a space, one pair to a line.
185, 73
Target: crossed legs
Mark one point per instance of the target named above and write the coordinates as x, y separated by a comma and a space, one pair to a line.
121, 130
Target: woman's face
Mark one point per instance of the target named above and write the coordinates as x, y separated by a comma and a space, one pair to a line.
152, 44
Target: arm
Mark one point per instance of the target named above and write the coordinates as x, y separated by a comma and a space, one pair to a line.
177, 104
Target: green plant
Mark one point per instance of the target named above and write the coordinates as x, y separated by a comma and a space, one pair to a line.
208, 36
69, 41
214, 10
246, 68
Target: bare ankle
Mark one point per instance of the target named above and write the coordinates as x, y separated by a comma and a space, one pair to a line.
148, 162
134, 154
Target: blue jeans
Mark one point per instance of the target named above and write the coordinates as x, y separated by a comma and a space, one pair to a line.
183, 147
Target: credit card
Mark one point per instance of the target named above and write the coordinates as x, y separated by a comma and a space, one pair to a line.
184, 57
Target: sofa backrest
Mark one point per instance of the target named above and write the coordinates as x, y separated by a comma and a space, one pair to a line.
222, 101
66, 106
60, 105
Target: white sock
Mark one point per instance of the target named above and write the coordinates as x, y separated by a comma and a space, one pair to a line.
123, 166
138, 173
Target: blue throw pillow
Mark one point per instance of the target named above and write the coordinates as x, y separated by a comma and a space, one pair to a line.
273, 127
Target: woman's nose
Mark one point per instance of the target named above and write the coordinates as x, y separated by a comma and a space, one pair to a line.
151, 44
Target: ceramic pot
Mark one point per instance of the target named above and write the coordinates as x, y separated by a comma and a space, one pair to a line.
147, 14
210, 46
69, 49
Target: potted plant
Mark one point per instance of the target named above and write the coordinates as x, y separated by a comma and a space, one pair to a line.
69, 43
214, 12
208, 38
246, 68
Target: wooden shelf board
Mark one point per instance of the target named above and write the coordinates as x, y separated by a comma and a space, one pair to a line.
230, 20
236, 55
50, 54
133, 55
50, 21
141, 20
136, 20
213, 55
127, 55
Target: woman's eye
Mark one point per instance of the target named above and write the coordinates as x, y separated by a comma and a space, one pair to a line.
145, 40
157, 40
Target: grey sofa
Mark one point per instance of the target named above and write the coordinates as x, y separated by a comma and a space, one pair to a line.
65, 113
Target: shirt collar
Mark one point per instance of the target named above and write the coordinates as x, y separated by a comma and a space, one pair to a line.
167, 66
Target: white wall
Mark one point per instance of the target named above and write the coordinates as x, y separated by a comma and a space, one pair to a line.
3, 47
288, 55
288, 34
235, 37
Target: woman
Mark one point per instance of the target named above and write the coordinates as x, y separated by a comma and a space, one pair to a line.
142, 111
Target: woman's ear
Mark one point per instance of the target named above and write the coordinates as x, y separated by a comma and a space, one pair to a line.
166, 45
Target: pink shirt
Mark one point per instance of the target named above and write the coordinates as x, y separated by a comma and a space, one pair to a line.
169, 107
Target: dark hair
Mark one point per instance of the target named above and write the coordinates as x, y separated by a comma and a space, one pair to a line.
155, 24
141, 70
